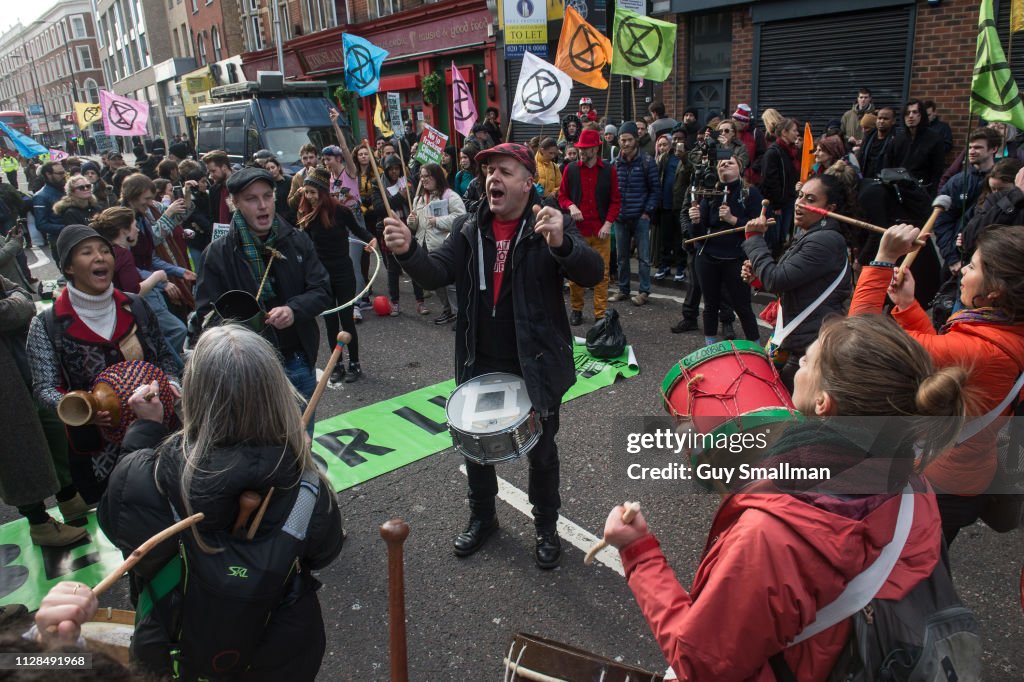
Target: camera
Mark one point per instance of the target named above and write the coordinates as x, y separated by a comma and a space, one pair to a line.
177, 192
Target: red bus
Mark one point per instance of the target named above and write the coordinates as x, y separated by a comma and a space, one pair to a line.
17, 120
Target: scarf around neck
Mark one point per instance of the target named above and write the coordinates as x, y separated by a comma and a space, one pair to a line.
256, 252
975, 316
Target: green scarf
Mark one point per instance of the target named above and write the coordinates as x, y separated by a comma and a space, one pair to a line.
254, 250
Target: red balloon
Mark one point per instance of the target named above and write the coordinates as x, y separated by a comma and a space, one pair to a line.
382, 306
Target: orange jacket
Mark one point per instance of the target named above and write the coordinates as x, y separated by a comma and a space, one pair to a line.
771, 561
994, 355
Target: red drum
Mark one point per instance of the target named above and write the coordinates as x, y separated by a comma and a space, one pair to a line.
110, 393
728, 388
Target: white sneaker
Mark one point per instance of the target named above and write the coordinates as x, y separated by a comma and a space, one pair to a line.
357, 314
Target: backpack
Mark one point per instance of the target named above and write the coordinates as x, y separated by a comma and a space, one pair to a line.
927, 635
1005, 207
227, 599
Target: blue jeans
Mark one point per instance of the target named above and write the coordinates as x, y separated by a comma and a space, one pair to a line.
173, 329
625, 231
303, 377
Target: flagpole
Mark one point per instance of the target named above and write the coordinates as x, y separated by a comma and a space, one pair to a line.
608, 98
632, 86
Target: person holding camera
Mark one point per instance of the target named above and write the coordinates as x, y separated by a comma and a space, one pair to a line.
719, 260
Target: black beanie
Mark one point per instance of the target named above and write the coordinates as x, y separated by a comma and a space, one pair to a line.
71, 236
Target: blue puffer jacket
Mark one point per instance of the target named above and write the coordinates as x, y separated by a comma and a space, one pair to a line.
639, 186
952, 221
42, 209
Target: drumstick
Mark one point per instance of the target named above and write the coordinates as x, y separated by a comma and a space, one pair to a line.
247, 503
627, 516
848, 220
259, 515
343, 339
380, 183
733, 230
394, 533
401, 155
143, 549
941, 203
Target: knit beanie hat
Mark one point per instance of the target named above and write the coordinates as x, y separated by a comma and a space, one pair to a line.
611, 129
629, 128
868, 121
319, 178
90, 166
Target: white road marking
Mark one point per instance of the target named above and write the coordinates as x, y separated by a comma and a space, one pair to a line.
579, 538
680, 301
41, 258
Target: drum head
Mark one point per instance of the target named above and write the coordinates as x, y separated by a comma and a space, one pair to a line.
488, 403
698, 357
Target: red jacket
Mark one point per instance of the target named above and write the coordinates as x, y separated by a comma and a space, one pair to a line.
771, 561
994, 355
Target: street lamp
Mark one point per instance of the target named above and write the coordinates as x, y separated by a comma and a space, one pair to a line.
32, 75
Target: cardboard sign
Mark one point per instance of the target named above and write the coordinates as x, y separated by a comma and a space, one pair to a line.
395, 113
431, 146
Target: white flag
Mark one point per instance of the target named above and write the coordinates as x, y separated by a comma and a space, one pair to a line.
543, 91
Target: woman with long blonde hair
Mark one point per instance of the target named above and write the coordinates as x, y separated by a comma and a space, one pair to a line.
241, 432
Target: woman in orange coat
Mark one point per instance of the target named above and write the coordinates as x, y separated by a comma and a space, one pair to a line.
987, 337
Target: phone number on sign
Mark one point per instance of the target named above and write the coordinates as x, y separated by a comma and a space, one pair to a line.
69, 662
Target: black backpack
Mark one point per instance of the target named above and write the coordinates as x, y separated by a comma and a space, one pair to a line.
226, 599
926, 636
1005, 207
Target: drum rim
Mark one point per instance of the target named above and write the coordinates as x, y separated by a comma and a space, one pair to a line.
448, 403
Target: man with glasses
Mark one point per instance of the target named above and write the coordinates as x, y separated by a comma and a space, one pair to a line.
47, 221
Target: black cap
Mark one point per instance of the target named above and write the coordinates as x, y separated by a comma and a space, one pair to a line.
245, 177
71, 236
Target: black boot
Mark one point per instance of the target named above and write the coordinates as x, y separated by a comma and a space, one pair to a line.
354, 372
549, 549
338, 375
475, 535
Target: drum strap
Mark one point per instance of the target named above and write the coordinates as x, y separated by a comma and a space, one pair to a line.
782, 330
979, 424
863, 588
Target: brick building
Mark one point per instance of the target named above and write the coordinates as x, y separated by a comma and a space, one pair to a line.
807, 58
422, 38
50, 63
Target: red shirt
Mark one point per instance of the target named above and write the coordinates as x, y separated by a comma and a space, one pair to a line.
126, 274
591, 223
504, 231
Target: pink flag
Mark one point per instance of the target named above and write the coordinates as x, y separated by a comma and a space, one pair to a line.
57, 155
464, 113
123, 115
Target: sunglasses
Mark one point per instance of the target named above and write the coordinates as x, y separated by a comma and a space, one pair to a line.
83, 187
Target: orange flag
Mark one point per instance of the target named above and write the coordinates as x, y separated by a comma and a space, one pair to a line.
583, 51
807, 154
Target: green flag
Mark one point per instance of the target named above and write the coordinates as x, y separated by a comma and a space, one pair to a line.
642, 47
994, 94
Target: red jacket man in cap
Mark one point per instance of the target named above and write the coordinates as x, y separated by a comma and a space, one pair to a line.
590, 193
507, 262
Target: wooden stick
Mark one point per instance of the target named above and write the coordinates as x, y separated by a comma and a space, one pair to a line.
143, 549
344, 338
627, 516
710, 235
401, 155
259, 515
247, 503
380, 183
273, 255
925, 231
508, 131
849, 221
394, 533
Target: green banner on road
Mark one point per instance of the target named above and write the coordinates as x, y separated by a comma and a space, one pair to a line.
355, 447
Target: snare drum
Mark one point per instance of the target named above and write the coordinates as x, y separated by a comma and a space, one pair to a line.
491, 419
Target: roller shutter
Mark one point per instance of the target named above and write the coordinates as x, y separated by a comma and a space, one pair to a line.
810, 69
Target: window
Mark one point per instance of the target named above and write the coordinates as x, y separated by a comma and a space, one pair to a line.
254, 5
78, 27
195, 6
84, 57
201, 48
175, 46
92, 91
144, 48
215, 40
186, 39
256, 28
234, 135
286, 24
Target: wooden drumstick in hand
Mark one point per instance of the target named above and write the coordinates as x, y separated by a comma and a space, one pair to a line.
632, 508
940, 204
380, 183
343, 339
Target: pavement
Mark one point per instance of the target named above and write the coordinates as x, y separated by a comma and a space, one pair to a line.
461, 614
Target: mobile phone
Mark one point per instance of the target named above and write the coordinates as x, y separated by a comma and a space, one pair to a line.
177, 192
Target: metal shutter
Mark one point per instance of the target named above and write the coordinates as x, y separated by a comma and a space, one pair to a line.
521, 132
810, 69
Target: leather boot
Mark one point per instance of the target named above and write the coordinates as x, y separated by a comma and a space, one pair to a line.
549, 549
475, 535
55, 534
74, 509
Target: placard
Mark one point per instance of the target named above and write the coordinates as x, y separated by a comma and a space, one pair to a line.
431, 146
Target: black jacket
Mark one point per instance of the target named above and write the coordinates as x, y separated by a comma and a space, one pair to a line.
744, 205
543, 338
135, 507
778, 176
300, 281
924, 156
803, 272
